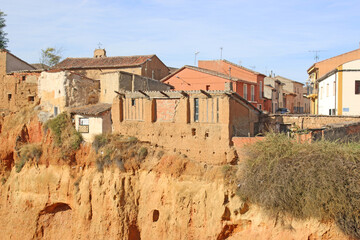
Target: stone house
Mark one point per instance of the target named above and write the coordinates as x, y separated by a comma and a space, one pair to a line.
319, 69
339, 90
18, 81
124, 81
180, 120
60, 90
147, 65
234, 70
190, 78
91, 120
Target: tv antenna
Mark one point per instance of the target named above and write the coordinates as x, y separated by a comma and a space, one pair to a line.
221, 48
99, 45
316, 57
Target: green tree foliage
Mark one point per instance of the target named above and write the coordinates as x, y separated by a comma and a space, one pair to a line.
3, 39
50, 56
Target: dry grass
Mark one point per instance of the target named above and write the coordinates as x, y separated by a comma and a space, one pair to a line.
19, 118
114, 149
28, 152
319, 180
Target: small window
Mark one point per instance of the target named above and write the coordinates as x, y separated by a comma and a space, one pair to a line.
196, 109
133, 102
260, 92
357, 86
252, 93
56, 111
9, 96
207, 87
23, 78
245, 92
83, 125
31, 98
334, 88
327, 90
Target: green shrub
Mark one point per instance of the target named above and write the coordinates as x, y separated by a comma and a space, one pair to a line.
319, 180
65, 135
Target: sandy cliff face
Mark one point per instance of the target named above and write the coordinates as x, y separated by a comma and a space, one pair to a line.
168, 197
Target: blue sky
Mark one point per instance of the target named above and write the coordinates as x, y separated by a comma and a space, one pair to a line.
260, 34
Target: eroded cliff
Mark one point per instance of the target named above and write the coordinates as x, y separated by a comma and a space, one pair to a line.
163, 196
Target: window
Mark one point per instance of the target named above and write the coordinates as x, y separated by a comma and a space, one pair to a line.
31, 98
196, 109
334, 88
245, 92
207, 87
260, 92
327, 90
56, 111
23, 78
132, 102
252, 93
321, 93
357, 86
83, 125
9, 96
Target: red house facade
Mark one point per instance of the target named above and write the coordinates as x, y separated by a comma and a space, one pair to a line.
190, 78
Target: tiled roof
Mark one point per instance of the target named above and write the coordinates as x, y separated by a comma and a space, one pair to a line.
94, 110
207, 71
104, 62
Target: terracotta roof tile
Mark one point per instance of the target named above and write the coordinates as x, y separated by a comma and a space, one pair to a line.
104, 62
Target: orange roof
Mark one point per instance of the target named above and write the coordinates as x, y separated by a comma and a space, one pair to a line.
104, 62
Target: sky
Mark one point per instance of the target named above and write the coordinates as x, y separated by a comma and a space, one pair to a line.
263, 35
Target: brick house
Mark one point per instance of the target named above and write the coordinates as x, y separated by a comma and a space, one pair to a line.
147, 65
180, 120
190, 78
18, 81
240, 72
293, 93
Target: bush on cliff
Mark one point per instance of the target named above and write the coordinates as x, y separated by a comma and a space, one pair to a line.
124, 152
65, 135
26, 153
319, 180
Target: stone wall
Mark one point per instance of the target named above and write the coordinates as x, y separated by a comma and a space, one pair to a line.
171, 122
306, 121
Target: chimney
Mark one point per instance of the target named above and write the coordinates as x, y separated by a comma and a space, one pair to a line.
99, 53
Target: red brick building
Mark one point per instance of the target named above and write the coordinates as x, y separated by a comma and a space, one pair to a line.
195, 78
240, 72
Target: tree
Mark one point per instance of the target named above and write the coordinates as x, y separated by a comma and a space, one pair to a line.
50, 56
3, 39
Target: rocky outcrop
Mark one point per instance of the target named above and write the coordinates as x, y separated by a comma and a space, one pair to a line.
168, 197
